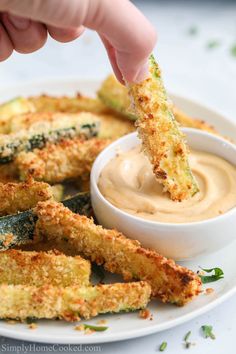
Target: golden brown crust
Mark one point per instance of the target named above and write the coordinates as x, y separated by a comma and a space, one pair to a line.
40, 268
16, 197
57, 162
8, 173
73, 302
169, 281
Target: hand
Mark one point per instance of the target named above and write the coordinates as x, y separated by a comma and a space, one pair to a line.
128, 36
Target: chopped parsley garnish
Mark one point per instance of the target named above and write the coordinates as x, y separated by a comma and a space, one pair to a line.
163, 346
95, 328
217, 275
233, 50
192, 31
30, 320
186, 341
213, 44
207, 332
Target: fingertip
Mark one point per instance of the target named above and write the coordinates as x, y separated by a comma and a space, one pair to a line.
142, 74
65, 35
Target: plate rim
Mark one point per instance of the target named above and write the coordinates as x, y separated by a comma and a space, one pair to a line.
133, 333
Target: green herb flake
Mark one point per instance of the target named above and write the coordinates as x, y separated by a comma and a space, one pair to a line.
95, 328
30, 320
163, 346
192, 31
186, 341
207, 332
233, 50
213, 44
217, 275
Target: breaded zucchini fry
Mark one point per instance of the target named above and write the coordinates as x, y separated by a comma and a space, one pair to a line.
162, 140
107, 125
169, 281
187, 121
74, 104
113, 127
73, 302
58, 192
35, 130
116, 97
18, 105
19, 229
40, 268
16, 197
57, 162
49, 122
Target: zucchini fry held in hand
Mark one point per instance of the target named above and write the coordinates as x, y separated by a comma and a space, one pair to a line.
162, 140
40, 268
55, 163
169, 281
71, 303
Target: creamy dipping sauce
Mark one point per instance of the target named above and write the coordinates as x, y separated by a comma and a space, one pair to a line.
128, 182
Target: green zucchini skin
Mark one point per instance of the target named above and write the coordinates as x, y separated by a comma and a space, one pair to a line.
19, 228
17, 143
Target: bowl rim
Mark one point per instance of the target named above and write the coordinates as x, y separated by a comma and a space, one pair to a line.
94, 185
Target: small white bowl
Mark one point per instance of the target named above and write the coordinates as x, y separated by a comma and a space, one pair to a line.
178, 241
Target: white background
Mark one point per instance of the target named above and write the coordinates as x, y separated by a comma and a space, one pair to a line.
190, 69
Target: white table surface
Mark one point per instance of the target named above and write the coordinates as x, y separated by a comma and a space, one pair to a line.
190, 69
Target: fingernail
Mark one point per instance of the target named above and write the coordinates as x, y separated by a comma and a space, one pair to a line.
19, 23
142, 74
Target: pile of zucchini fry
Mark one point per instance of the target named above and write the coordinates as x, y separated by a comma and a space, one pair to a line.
46, 144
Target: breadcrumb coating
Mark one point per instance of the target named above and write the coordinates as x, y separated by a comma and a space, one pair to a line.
40, 268
17, 197
169, 281
8, 173
71, 303
58, 162
162, 140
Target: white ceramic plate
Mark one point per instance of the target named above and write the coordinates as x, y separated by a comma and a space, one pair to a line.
126, 326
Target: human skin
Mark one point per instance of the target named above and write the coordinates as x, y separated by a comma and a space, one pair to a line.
127, 35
